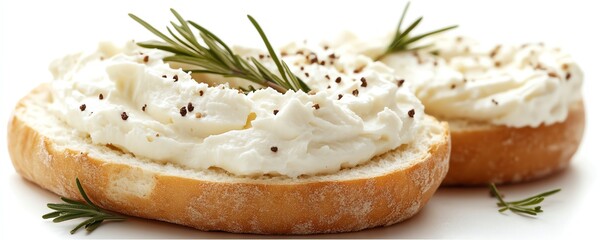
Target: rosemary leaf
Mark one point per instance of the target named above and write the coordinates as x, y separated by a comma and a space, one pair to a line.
521, 206
215, 57
403, 41
73, 209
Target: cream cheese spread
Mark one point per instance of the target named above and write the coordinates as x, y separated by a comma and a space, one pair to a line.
510, 85
129, 98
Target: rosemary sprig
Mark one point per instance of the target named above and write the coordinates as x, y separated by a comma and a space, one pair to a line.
522, 206
73, 209
217, 58
402, 40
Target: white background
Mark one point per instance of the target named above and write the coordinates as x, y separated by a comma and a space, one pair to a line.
35, 32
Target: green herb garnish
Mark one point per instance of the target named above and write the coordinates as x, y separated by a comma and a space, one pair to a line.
217, 58
402, 40
525, 206
73, 209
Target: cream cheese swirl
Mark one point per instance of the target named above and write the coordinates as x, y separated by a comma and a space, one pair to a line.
510, 85
129, 98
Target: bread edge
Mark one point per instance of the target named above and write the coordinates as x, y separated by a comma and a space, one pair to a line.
304, 208
502, 154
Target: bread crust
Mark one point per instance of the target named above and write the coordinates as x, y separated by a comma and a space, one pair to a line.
263, 207
488, 153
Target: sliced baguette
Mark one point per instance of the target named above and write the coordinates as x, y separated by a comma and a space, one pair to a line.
388, 189
483, 153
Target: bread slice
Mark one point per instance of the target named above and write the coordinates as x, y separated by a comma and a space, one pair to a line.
386, 190
483, 153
